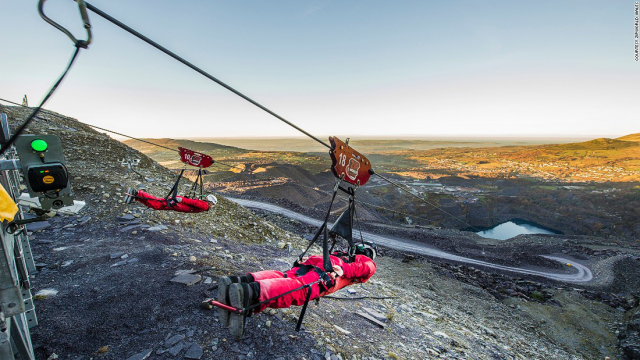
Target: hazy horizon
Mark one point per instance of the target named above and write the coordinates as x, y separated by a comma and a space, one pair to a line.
497, 69
412, 137
371, 144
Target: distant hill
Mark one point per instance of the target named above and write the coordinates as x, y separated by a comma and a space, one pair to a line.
601, 144
171, 159
631, 137
175, 143
598, 160
601, 159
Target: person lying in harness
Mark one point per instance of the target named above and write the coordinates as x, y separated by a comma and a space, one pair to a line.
175, 203
263, 288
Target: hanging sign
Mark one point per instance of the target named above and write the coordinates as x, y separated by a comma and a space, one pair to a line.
195, 158
348, 164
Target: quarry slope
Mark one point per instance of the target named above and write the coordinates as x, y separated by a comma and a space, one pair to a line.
112, 267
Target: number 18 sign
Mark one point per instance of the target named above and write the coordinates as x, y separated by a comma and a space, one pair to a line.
348, 164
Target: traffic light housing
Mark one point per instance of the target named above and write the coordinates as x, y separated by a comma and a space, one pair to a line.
45, 172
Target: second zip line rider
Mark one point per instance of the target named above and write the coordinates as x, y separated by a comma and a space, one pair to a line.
176, 203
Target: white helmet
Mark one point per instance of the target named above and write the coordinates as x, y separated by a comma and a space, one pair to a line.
367, 249
212, 199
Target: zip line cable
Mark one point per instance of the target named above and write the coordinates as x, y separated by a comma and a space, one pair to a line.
131, 137
228, 87
93, 126
296, 181
373, 205
21, 128
148, 142
15, 103
426, 201
221, 83
111, 131
197, 69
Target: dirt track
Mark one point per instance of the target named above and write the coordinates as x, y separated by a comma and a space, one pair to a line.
582, 275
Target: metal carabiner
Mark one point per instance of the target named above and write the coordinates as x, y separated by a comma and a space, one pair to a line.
85, 18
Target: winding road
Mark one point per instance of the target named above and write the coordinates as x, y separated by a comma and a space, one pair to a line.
583, 274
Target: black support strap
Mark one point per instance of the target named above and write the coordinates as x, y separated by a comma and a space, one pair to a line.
197, 185
173, 193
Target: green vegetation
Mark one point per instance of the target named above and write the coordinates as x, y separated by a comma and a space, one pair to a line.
536, 295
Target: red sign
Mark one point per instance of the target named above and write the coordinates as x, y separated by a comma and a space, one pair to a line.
348, 164
195, 158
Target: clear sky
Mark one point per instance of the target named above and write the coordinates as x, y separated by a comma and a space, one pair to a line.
357, 68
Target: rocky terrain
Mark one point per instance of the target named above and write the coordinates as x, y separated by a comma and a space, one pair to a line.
588, 195
125, 282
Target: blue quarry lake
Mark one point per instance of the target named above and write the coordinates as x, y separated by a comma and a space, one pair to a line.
512, 228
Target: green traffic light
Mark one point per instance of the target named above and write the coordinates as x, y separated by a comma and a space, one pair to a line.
39, 145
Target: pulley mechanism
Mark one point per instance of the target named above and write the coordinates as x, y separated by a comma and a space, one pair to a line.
348, 164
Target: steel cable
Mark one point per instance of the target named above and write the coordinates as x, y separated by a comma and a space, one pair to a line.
228, 87
107, 130
425, 200
197, 69
21, 128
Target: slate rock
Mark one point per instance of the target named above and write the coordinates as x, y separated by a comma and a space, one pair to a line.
142, 355
631, 346
126, 218
175, 350
173, 340
371, 319
157, 228
187, 279
130, 227
375, 313
38, 225
194, 352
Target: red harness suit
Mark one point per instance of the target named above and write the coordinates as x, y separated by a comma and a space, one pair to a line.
274, 283
186, 205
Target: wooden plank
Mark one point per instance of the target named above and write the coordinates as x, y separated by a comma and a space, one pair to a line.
371, 319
